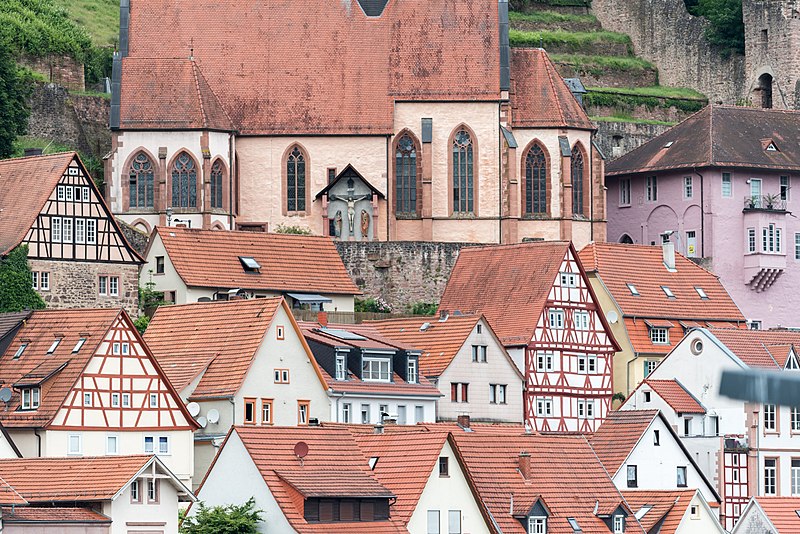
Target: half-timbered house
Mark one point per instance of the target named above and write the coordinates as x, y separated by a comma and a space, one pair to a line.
538, 300
77, 252
83, 383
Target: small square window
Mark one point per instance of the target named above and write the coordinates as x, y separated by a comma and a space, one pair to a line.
74, 444
115, 348
126, 400
281, 376
112, 445
115, 400
279, 332
444, 466
154, 400
87, 399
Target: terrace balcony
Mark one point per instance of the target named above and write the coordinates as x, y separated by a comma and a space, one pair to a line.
764, 203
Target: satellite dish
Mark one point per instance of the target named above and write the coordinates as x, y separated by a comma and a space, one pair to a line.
202, 421
612, 317
194, 409
301, 449
213, 416
5, 394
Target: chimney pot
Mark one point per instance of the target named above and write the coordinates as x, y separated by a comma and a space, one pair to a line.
525, 465
668, 250
378, 428
463, 421
322, 318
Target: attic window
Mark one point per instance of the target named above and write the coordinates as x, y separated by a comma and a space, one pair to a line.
20, 350
574, 524
701, 292
634, 291
78, 345
249, 264
373, 462
54, 346
669, 144
771, 147
642, 511
373, 8
668, 292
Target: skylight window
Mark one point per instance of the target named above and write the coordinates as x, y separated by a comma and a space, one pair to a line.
634, 291
250, 264
772, 148
668, 292
669, 144
642, 511
54, 346
701, 293
20, 350
372, 462
574, 524
78, 345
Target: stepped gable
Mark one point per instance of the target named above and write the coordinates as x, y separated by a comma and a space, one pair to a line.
320, 67
540, 98
719, 136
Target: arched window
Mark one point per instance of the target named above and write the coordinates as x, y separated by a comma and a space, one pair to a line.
626, 239
296, 181
535, 181
577, 180
463, 162
140, 184
184, 182
405, 175
217, 172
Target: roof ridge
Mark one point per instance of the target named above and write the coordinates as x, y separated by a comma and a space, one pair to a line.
199, 94
214, 94
38, 157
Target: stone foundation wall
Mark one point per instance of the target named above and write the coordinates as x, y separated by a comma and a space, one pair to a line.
75, 285
62, 70
400, 272
618, 138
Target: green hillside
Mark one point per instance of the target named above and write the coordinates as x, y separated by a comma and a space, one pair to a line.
100, 18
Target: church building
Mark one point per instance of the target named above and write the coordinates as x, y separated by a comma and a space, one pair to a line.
356, 119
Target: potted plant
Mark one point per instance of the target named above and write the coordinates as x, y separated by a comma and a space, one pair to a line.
772, 201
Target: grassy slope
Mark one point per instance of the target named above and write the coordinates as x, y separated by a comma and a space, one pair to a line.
100, 18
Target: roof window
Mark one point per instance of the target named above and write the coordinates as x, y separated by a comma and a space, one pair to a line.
78, 345
20, 350
701, 292
771, 147
250, 264
642, 511
668, 292
373, 461
54, 346
574, 524
634, 291
669, 144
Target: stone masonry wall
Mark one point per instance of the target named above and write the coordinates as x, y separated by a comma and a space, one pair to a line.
664, 33
75, 285
62, 70
618, 138
400, 272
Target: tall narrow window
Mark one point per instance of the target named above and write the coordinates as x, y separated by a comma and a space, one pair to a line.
535, 181
216, 184
184, 182
727, 185
625, 192
770, 475
652, 188
578, 180
140, 182
405, 174
785, 188
463, 172
296, 181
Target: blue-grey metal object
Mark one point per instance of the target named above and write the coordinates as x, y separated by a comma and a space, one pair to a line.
510, 139
563, 143
763, 387
124, 25
116, 78
505, 69
427, 130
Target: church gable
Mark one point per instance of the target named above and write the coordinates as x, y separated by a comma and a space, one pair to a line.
122, 388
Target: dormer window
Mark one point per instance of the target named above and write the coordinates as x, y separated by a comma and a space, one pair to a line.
375, 369
771, 147
700, 292
413, 377
537, 525
30, 398
668, 292
633, 290
619, 524
249, 264
659, 336
20, 350
54, 346
341, 370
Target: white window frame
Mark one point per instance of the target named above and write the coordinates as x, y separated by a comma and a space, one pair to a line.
341, 372
688, 187
544, 406
659, 335
434, 522
770, 476
537, 525
785, 184
91, 231
368, 372
72, 439
80, 230
454, 522
163, 446
69, 194
87, 398
625, 192
752, 241
55, 229
152, 444
619, 524
347, 412
581, 319
726, 188
113, 286
115, 400
366, 409
35, 279
569, 280
652, 188
685, 470
85, 194
770, 417
795, 475
31, 398
153, 400
544, 361
412, 375
66, 229
126, 400
109, 439
102, 285
60, 192
771, 239
794, 419
556, 318
44, 280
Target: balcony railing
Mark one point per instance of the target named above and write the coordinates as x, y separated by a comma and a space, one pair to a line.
764, 202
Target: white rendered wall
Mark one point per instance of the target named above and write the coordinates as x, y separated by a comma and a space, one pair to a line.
356, 402
125, 515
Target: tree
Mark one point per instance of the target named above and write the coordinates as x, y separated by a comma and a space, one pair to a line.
15, 87
231, 519
16, 290
727, 23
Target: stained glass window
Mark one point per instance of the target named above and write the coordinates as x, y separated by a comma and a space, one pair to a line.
216, 184
140, 183
535, 181
463, 185
578, 179
405, 170
184, 182
296, 181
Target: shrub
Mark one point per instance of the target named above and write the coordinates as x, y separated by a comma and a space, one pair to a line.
40, 28
230, 519
374, 305
424, 308
16, 290
15, 88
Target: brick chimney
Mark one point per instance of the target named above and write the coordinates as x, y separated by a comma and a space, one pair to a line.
322, 318
525, 465
463, 421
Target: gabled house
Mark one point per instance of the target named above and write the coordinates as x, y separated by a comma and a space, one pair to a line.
192, 265
463, 357
77, 253
82, 382
540, 304
775, 515
651, 296
745, 449
113, 494
628, 442
369, 377
243, 362
674, 512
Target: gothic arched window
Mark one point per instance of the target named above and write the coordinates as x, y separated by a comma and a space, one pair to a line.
140, 184
296, 180
578, 180
463, 172
405, 174
535, 181
217, 174
184, 182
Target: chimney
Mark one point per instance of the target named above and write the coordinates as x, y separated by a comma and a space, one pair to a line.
322, 318
33, 152
378, 429
463, 421
668, 249
525, 465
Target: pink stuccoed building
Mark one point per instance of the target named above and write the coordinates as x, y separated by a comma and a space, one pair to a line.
739, 165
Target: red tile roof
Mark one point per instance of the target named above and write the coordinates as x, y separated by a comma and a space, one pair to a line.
639, 333
668, 505
758, 348
495, 279
539, 97
9, 496
782, 513
210, 258
677, 396
565, 474
9, 321
352, 68
49, 514
220, 338
618, 435
643, 266
45, 480
324, 483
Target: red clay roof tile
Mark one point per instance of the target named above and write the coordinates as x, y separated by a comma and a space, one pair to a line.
668, 505
677, 396
49, 514
758, 348
782, 513
618, 435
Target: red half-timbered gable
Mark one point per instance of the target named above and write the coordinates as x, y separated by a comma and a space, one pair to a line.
538, 299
